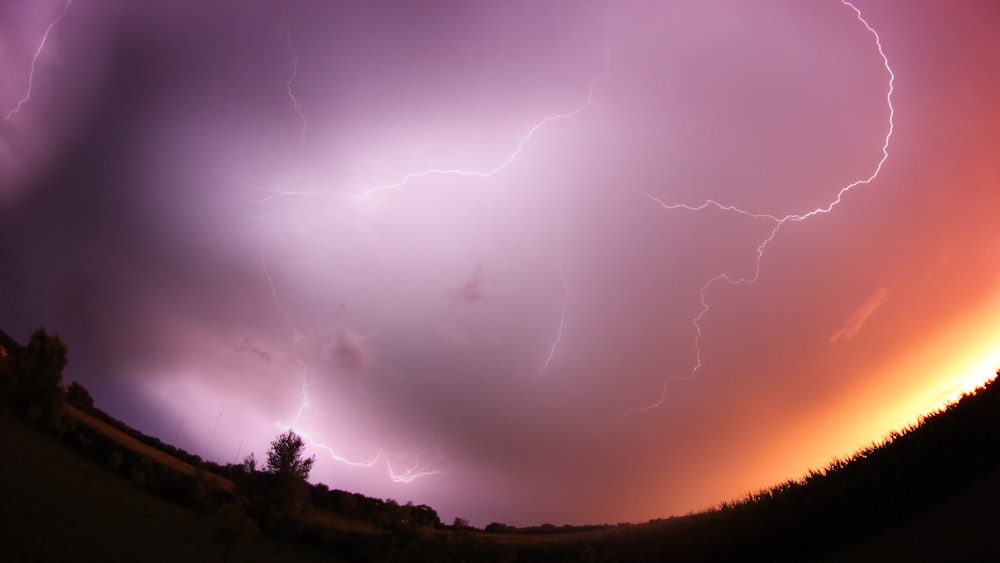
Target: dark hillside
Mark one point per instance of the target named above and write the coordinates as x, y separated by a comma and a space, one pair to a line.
962, 528
929, 493
56, 505
923, 492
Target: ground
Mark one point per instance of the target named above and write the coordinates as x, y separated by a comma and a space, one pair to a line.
57, 506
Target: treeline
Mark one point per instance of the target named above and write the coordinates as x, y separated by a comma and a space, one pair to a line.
387, 514
81, 400
265, 498
31, 377
544, 529
879, 487
31, 386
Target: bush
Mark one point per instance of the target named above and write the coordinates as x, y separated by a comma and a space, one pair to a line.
79, 397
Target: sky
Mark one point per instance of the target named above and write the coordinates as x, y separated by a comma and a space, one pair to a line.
523, 262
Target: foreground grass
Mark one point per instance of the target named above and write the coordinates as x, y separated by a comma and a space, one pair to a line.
928, 494
58, 506
961, 528
149, 452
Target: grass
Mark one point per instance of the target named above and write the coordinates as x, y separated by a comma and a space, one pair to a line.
145, 450
58, 506
929, 494
962, 528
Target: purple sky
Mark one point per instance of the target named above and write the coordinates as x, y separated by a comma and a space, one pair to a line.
465, 248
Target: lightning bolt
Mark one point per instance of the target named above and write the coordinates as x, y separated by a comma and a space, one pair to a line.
291, 92
296, 339
778, 222
34, 61
279, 191
366, 193
411, 473
565, 304
408, 474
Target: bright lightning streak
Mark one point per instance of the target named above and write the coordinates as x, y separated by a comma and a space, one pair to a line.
562, 313
297, 337
291, 80
712, 203
34, 62
888, 134
778, 222
274, 193
410, 474
697, 320
407, 475
279, 191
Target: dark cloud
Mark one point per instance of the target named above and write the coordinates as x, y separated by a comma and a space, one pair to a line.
351, 352
248, 346
472, 290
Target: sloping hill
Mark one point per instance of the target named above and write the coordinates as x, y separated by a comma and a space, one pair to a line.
964, 527
58, 506
929, 493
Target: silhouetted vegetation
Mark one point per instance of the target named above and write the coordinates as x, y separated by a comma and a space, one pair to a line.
79, 397
278, 496
33, 377
878, 488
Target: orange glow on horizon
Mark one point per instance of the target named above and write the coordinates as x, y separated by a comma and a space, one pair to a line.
932, 373
929, 376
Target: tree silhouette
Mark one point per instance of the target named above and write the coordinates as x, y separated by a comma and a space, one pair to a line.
78, 396
280, 494
249, 465
285, 458
36, 375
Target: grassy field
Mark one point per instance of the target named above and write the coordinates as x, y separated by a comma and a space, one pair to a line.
58, 506
321, 517
962, 528
145, 450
